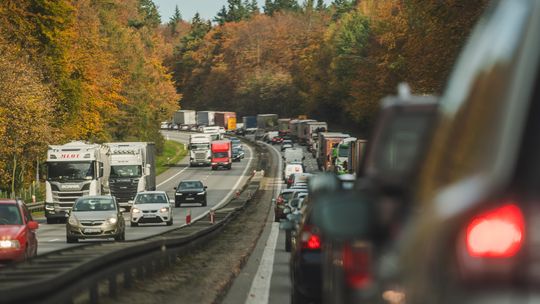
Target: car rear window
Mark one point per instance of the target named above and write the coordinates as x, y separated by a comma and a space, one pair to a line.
190, 185
287, 195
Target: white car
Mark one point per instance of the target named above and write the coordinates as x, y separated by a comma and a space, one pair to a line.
292, 168
151, 207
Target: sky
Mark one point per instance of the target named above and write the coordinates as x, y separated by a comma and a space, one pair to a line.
207, 8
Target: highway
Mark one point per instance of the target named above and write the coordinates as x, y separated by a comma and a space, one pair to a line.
222, 184
269, 258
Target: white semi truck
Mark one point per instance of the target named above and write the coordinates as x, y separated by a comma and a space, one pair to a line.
133, 169
73, 170
199, 150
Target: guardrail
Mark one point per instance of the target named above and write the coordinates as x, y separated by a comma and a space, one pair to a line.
84, 271
37, 206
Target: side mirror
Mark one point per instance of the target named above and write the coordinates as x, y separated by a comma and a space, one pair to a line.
122, 210
205, 187
100, 170
67, 214
147, 169
33, 225
174, 188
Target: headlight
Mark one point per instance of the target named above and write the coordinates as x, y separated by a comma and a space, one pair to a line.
164, 209
73, 221
200, 193
6, 244
112, 220
49, 206
135, 210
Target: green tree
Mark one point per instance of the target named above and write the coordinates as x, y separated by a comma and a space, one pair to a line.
175, 19
320, 5
150, 13
341, 7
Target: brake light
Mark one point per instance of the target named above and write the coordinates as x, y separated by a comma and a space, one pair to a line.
279, 200
356, 266
310, 239
498, 233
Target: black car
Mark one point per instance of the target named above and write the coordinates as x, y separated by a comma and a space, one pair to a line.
190, 191
237, 153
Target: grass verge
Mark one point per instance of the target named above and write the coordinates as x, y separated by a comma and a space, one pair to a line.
173, 152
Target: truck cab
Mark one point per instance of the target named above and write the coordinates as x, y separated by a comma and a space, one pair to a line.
221, 154
199, 150
342, 152
73, 170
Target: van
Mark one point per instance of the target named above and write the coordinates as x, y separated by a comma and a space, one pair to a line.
292, 168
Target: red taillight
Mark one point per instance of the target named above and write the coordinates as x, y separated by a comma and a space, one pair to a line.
279, 200
357, 266
498, 233
310, 239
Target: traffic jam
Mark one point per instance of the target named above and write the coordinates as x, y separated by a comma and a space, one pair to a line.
439, 204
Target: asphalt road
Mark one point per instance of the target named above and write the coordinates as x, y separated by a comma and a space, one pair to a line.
222, 184
265, 278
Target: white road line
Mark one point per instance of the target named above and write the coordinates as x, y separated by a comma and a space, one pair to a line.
170, 178
53, 240
259, 293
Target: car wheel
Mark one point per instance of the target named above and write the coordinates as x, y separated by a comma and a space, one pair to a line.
288, 240
276, 218
203, 204
71, 240
118, 237
134, 224
170, 222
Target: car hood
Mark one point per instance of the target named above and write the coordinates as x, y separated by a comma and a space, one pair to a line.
93, 215
153, 206
10, 231
191, 191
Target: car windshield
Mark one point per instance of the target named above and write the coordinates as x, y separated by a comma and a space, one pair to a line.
220, 154
126, 171
151, 198
199, 146
10, 215
287, 195
94, 204
70, 171
190, 185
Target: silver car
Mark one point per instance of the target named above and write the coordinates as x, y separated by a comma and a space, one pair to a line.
151, 207
95, 217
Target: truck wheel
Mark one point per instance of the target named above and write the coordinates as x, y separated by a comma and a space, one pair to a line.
71, 240
134, 224
213, 168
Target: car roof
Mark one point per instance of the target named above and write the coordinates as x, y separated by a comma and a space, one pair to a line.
152, 192
190, 181
7, 201
96, 196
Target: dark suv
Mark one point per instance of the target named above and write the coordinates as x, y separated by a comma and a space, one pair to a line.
190, 191
474, 237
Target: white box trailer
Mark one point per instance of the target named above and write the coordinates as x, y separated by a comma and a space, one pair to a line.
206, 118
185, 118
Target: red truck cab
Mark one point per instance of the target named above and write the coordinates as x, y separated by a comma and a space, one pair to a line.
221, 154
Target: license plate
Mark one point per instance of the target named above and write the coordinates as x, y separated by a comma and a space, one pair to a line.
150, 215
190, 198
92, 230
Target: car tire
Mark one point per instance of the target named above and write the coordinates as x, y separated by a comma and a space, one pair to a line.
71, 240
118, 238
276, 218
134, 224
170, 222
203, 204
288, 240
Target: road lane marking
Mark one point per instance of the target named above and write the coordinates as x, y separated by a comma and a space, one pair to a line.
170, 178
53, 240
259, 293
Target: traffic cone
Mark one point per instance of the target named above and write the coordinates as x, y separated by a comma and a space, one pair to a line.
188, 217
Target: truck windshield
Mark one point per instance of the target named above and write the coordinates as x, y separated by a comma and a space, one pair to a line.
126, 171
199, 146
343, 151
221, 154
70, 171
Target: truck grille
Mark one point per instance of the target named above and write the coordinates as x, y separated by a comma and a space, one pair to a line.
123, 191
66, 199
200, 156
